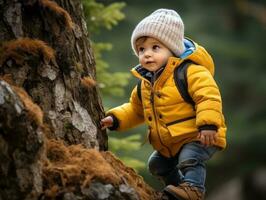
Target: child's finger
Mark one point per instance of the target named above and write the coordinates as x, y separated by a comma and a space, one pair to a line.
212, 140
101, 122
207, 140
104, 120
104, 124
202, 139
199, 135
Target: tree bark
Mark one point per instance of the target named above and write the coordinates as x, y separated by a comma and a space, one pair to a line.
54, 73
21, 147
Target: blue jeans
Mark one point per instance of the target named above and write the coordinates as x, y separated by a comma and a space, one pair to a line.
188, 165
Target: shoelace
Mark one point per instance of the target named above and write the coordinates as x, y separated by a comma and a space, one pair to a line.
188, 188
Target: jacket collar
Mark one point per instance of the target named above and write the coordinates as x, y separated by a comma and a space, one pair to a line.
142, 73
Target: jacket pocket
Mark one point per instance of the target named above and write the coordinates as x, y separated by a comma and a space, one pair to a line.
182, 126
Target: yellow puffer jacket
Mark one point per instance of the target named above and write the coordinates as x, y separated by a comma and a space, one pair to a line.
173, 122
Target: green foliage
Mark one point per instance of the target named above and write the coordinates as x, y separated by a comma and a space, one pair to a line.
99, 16
127, 145
109, 83
134, 163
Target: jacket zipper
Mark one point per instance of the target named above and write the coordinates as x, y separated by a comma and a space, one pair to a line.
154, 113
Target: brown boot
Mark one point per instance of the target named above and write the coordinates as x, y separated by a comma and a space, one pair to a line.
184, 192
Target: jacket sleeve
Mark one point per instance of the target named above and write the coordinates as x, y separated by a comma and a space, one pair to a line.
129, 114
206, 95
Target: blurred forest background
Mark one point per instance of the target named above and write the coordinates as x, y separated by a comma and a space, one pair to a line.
233, 31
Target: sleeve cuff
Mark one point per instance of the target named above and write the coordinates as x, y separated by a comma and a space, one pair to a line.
115, 123
208, 127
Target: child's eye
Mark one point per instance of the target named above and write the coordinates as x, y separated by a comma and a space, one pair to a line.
141, 49
155, 47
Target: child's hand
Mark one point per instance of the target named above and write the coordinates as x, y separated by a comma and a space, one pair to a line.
107, 122
208, 137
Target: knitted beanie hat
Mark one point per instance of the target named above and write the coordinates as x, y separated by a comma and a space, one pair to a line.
164, 25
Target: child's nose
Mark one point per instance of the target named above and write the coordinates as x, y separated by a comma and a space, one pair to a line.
147, 53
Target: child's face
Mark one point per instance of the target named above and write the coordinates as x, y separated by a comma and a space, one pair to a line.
152, 54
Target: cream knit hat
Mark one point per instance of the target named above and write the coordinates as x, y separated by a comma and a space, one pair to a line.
164, 25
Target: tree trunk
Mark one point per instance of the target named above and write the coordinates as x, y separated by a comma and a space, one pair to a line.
57, 74
50, 110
